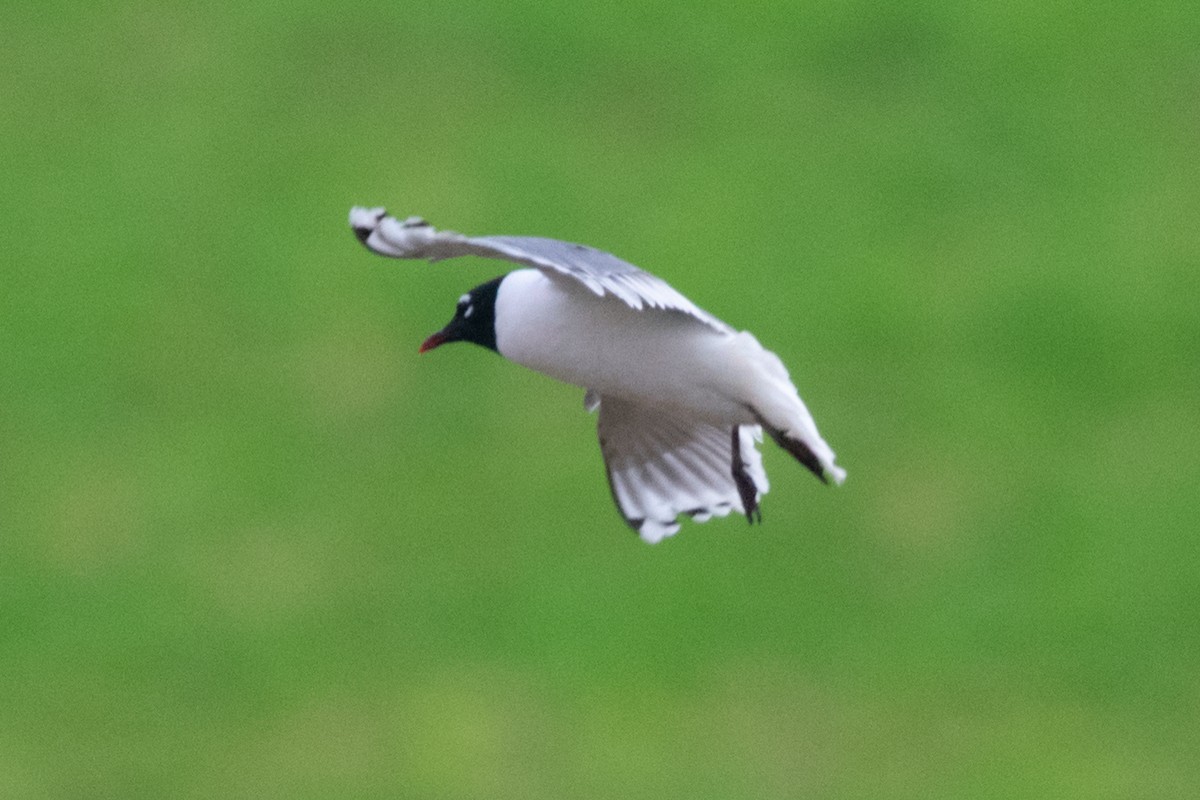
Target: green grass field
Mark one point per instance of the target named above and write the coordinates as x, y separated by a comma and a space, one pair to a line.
252, 546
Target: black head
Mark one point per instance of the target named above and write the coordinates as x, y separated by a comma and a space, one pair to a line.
474, 319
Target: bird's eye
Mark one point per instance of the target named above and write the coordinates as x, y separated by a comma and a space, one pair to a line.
469, 311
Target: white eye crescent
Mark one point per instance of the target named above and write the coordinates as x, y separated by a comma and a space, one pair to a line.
470, 310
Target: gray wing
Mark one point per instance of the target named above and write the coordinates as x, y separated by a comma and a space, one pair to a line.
601, 272
660, 466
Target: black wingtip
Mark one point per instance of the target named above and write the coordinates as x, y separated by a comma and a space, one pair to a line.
364, 221
746, 487
801, 452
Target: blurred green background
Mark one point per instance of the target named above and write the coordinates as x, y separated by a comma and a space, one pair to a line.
252, 546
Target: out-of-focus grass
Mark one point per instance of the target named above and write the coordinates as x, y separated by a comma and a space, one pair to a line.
250, 545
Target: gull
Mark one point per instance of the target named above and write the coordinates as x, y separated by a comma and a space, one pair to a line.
683, 398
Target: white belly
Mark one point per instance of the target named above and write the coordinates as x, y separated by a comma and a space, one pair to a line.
665, 358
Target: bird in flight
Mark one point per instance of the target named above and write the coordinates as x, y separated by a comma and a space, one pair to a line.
683, 397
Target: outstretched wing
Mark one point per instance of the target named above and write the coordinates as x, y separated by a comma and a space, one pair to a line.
601, 272
660, 466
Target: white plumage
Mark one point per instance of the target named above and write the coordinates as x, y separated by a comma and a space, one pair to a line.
683, 398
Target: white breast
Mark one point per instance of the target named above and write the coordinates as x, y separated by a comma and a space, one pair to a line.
666, 358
